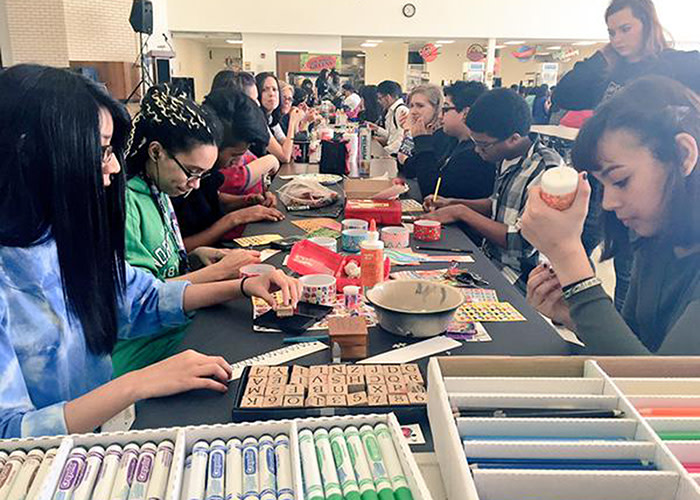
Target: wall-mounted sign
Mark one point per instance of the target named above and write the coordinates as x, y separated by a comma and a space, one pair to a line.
317, 62
429, 52
566, 54
524, 53
476, 52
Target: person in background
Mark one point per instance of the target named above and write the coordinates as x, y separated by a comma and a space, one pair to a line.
465, 175
233, 195
541, 108
333, 84
638, 46
173, 146
371, 110
351, 100
308, 86
66, 292
391, 134
646, 157
286, 103
499, 124
425, 106
322, 85
242, 80
281, 145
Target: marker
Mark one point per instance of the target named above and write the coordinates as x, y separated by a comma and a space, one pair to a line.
283, 458
44, 468
267, 469
679, 436
343, 466
331, 484
680, 412
186, 476
144, 469
86, 483
234, 470
376, 465
565, 466
159, 478
536, 413
443, 249
402, 490
125, 472
70, 474
249, 455
25, 476
360, 464
309, 465
543, 438
108, 472
198, 477
216, 470
3, 459
10, 470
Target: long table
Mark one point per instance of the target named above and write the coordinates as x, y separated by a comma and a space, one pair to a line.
226, 330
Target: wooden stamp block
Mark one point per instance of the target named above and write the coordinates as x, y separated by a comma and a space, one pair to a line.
257, 381
254, 391
353, 351
377, 389
258, 371
373, 370
394, 379
410, 369
375, 379
337, 370
358, 399
415, 388
276, 380
418, 398
392, 369
284, 311
275, 390
318, 369
337, 379
296, 380
293, 401
377, 399
354, 370
356, 383
273, 401
399, 388
294, 390
399, 399
300, 371
279, 371
252, 402
317, 390
315, 401
337, 400
319, 379
334, 389
414, 378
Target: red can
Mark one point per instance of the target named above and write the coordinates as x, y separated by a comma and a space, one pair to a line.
427, 230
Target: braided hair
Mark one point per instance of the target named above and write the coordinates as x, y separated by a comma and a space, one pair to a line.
172, 119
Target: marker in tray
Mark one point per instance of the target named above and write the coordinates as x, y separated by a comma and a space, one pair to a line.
670, 412
561, 464
679, 435
543, 438
462, 412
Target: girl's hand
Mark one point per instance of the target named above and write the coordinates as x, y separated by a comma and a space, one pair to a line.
183, 372
553, 232
429, 205
264, 285
208, 255
544, 293
418, 127
255, 213
445, 215
230, 266
270, 200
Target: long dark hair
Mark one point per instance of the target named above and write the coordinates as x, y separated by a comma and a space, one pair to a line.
172, 119
655, 40
655, 109
276, 114
51, 186
242, 120
373, 111
229, 79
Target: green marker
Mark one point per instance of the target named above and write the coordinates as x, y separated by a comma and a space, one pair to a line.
313, 486
359, 463
341, 457
331, 485
393, 465
679, 436
376, 465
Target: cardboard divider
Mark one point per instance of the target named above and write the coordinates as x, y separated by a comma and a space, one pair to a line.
514, 400
528, 385
570, 450
658, 386
603, 428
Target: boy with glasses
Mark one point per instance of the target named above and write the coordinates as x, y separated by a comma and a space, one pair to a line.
499, 124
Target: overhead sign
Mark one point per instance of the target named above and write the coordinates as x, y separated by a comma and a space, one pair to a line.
525, 53
317, 62
476, 52
429, 52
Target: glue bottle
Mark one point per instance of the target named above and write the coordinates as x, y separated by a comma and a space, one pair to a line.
372, 258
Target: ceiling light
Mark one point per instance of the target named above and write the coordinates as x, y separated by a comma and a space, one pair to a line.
515, 42
437, 45
554, 47
367, 44
374, 41
543, 54
361, 54
234, 41
500, 47
445, 42
583, 44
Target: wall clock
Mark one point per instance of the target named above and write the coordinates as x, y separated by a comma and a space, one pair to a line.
409, 10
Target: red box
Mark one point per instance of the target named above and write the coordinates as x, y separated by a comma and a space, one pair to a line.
387, 212
307, 257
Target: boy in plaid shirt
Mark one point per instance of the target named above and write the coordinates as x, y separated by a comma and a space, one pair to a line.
499, 123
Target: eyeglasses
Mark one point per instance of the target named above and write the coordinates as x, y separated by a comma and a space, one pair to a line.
485, 146
107, 153
446, 109
190, 175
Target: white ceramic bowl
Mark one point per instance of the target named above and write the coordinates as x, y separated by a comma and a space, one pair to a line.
415, 308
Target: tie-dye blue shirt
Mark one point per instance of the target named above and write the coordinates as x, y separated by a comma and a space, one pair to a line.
44, 359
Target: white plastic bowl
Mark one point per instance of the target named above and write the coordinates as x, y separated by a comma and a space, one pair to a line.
415, 308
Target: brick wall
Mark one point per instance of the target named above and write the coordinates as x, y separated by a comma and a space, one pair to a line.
37, 31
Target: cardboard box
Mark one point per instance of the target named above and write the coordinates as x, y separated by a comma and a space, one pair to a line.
387, 212
356, 189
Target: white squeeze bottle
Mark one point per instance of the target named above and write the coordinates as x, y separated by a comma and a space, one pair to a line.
372, 258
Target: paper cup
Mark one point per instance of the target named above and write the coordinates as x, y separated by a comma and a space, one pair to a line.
318, 289
427, 230
325, 241
351, 239
395, 237
355, 224
252, 270
559, 186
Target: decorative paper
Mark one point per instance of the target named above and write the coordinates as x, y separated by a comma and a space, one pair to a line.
411, 206
311, 225
488, 312
323, 232
410, 258
257, 240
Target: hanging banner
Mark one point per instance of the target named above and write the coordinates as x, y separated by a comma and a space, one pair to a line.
317, 62
524, 53
476, 52
429, 52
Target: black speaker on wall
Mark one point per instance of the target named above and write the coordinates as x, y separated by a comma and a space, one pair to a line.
141, 18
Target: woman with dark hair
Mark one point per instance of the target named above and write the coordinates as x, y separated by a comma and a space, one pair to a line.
541, 108
371, 110
66, 292
308, 87
646, 157
281, 145
322, 84
229, 79
174, 145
